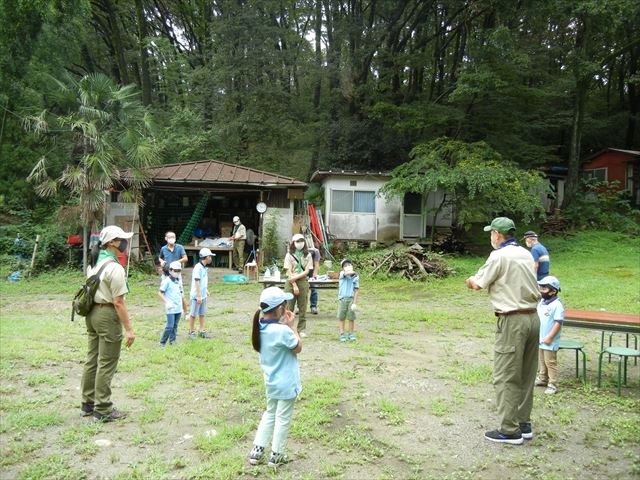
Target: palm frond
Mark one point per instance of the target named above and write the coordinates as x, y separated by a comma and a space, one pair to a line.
74, 177
36, 123
94, 113
39, 171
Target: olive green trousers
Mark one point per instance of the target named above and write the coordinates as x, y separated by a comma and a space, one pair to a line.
104, 332
302, 300
514, 368
238, 254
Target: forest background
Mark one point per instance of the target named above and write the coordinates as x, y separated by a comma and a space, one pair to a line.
293, 86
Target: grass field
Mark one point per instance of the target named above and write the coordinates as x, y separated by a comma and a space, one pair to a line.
409, 400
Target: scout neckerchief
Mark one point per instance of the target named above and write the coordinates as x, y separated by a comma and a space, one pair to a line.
506, 243
297, 255
106, 254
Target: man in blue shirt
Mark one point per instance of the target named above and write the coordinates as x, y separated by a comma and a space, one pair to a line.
171, 252
539, 253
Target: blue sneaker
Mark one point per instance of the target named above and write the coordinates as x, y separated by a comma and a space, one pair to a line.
498, 437
352, 337
343, 337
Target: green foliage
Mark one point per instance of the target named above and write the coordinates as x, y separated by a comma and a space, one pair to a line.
110, 137
52, 248
604, 206
270, 241
477, 180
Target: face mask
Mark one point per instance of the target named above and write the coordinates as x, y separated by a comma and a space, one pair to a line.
348, 268
171, 241
123, 245
174, 274
299, 245
494, 243
236, 223
547, 295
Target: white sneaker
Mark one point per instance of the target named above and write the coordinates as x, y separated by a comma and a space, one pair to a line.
551, 389
540, 383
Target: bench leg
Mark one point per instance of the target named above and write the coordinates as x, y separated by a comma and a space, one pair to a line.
584, 367
600, 364
577, 371
619, 373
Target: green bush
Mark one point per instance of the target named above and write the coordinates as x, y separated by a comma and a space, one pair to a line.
52, 248
604, 206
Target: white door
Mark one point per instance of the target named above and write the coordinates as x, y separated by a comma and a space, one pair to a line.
413, 217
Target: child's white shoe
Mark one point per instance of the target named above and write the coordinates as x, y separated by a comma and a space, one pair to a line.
551, 389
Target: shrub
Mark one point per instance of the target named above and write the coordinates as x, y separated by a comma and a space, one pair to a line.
604, 206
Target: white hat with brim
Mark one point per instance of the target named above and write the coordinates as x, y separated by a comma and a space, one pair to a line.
205, 252
296, 237
273, 297
111, 233
175, 265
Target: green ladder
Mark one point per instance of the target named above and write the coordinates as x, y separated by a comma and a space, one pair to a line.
187, 233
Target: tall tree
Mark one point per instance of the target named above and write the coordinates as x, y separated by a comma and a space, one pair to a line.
110, 142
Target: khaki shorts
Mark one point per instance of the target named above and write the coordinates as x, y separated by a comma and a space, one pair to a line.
344, 309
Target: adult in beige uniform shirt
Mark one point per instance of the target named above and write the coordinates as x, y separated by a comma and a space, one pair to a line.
105, 323
509, 276
239, 237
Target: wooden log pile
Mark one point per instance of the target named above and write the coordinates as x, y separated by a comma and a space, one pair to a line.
413, 263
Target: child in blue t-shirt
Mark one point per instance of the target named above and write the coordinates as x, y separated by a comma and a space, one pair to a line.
551, 313
172, 294
199, 293
348, 286
276, 338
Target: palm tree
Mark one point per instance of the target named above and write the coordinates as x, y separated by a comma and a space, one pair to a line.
109, 135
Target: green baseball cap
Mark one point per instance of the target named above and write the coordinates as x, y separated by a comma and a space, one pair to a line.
501, 224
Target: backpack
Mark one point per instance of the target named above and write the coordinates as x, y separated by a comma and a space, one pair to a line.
83, 301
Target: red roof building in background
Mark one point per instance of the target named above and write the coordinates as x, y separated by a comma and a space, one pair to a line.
616, 165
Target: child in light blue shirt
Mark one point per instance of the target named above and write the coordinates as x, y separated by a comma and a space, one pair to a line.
199, 292
172, 294
276, 338
551, 313
348, 287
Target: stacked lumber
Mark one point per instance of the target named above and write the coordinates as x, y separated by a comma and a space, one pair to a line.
413, 263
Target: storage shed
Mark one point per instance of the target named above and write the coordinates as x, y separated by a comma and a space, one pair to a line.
175, 189
615, 164
355, 209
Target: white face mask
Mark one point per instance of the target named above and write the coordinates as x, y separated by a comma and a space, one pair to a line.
174, 274
348, 268
494, 241
299, 245
171, 241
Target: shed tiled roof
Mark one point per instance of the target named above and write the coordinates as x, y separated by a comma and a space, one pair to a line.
216, 172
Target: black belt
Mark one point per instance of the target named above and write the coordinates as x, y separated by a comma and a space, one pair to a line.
515, 312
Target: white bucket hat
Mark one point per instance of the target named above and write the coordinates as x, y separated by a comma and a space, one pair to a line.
175, 266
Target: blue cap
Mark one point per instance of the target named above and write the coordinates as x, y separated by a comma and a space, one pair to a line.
346, 260
550, 281
273, 297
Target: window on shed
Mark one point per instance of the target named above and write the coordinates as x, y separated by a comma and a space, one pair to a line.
600, 174
349, 201
341, 201
412, 203
364, 202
